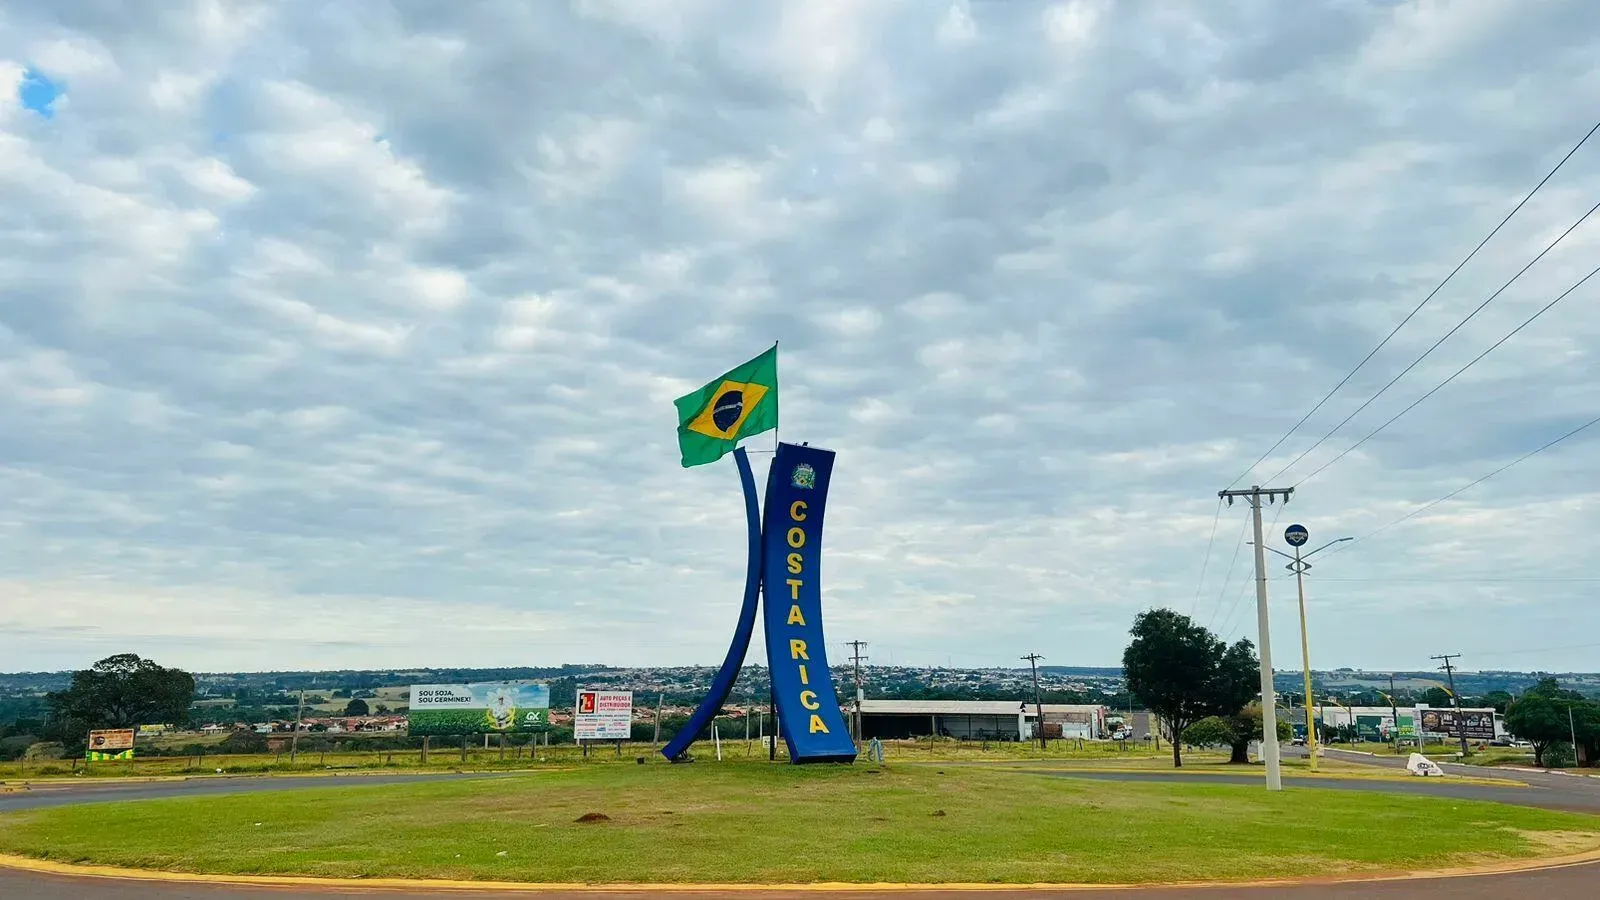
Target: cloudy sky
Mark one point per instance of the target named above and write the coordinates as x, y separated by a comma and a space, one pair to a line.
346, 335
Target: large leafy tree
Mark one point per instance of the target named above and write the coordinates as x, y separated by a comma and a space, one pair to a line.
125, 691
1184, 673
1540, 717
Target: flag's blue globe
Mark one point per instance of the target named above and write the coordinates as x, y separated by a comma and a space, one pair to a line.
727, 410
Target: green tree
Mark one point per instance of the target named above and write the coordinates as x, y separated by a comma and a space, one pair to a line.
1212, 731
1500, 700
1539, 716
1249, 725
1183, 673
356, 707
1436, 697
124, 691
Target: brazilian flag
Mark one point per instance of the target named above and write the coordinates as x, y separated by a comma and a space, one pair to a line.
743, 402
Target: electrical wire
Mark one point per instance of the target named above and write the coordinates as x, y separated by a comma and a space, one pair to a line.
1418, 308
1237, 546
1492, 347
1465, 579
1270, 527
1469, 485
1426, 353
1215, 518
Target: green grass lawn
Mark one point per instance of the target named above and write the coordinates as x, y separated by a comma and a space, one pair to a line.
752, 822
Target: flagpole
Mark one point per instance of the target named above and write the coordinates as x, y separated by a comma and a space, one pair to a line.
780, 409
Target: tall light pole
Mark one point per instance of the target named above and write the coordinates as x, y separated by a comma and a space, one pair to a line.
1269, 710
1296, 537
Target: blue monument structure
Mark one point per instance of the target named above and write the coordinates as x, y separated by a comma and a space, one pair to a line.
783, 564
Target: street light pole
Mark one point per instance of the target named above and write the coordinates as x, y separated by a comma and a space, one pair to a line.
1296, 536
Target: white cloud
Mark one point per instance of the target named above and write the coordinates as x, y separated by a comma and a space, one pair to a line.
385, 313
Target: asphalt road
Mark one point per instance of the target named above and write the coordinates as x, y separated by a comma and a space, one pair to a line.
1583, 796
42, 796
1548, 791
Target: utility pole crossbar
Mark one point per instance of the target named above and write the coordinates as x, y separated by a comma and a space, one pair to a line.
1269, 712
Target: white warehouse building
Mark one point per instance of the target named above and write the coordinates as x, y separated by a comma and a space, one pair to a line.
977, 720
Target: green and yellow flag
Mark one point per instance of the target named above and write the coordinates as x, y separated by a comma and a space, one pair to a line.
741, 403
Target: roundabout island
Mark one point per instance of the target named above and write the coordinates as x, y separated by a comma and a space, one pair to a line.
744, 826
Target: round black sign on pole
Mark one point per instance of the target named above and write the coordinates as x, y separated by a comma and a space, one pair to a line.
1296, 535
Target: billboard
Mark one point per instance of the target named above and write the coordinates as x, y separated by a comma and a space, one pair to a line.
1372, 728
497, 707
1479, 723
603, 716
111, 744
797, 653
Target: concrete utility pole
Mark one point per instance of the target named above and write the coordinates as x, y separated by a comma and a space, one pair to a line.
1269, 711
1455, 701
1038, 705
294, 739
858, 659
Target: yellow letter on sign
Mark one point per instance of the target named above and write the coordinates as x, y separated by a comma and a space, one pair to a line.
808, 699
816, 725
795, 618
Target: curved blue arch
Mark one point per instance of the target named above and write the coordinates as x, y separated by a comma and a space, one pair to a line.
722, 684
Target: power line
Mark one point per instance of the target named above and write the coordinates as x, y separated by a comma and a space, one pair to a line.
1525, 323
1426, 353
1228, 631
1464, 579
1226, 579
1425, 300
1466, 487
1215, 518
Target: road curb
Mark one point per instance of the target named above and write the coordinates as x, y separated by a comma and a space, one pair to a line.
48, 867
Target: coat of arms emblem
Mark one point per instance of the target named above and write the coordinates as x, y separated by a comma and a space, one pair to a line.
804, 476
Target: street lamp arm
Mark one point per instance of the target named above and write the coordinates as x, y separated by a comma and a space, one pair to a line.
1326, 546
